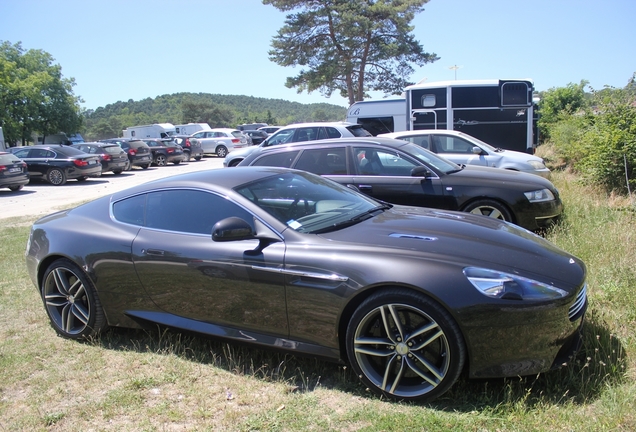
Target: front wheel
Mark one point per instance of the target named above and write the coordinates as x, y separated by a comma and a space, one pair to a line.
489, 208
405, 346
221, 151
16, 188
56, 177
71, 301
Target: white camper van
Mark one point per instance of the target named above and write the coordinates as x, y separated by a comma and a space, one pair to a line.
379, 116
157, 130
191, 128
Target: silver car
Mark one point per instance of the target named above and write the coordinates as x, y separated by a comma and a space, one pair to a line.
221, 141
462, 148
300, 132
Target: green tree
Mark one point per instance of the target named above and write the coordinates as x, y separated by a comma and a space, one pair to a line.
34, 96
349, 46
207, 112
558, 102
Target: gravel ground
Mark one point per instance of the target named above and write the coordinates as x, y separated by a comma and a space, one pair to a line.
39, 198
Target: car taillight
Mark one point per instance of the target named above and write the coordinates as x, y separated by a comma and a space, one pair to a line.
132, 152
170, 150
236, 141
2, 168
187, 142
80, 162
106, 157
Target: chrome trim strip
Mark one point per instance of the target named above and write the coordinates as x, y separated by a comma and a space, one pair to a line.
331, 277
578, 303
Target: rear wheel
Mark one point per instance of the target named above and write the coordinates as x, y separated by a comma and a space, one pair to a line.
81, 179
160, 160
197, 158
221, 151
187, 156
71, 301
145, 166
16, 188
56, 177
489, 208
405, 346
176, 162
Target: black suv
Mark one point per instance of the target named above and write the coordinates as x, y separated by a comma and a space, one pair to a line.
191, 147
164, 151
138, 152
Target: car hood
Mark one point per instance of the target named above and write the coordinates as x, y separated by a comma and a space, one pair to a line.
480, 173
465, 240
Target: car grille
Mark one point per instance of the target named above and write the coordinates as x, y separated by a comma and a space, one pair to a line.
579, 304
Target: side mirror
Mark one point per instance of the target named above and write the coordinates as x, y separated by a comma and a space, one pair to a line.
232, 229
477, 150
421, 171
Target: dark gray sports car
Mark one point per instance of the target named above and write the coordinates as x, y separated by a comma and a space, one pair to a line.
285, 259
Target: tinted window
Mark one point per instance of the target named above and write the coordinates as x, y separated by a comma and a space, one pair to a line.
450, 144
307, 134
324, 161
372, 161
22, 153
332, 133
282, 159
377, 125
188, 211
281, 137
358, 131
8, 159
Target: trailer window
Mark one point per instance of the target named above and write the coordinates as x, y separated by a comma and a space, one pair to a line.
428, 100
515, 94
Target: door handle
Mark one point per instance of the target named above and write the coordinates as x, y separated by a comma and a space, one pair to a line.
155, 252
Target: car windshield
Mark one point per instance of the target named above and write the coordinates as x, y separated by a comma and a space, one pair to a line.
472, 139
430, 158
309, 203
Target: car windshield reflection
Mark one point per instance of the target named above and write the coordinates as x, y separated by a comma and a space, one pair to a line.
308, 203
430, 158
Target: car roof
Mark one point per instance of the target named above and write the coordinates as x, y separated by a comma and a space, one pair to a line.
383, 141
222, 180
426, 132
310, 124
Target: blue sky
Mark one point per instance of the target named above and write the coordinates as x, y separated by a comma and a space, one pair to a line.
135, 49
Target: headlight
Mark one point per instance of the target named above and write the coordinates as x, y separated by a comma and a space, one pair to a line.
540, 195
538, 165
510, 287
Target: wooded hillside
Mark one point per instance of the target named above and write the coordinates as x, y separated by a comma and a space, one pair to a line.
215, 109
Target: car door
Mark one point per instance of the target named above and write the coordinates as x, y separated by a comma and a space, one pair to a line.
385, 174
189, 275
460, 150
38, 160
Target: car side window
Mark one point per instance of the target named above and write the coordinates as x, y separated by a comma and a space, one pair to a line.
307, 134
372, 161
332, 132
449, 144
22, 153
281, 137
278, 159
169, 210
420, 140
327, 161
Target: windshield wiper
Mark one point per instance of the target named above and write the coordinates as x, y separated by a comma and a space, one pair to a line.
461, 167
354, 220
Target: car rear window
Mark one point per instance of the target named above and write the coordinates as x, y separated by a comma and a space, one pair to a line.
237, 134
8, 159
69, 151
358, 131
114, 149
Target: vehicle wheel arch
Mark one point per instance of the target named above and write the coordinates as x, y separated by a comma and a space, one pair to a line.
503, 204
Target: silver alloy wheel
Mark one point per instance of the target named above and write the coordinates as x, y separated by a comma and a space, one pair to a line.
401, 350
160, 160
221, 151
489, 208
66, 301
56, 177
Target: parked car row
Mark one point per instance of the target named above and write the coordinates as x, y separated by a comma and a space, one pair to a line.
57, 163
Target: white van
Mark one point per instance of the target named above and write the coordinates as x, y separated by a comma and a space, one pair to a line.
381, 116
190, 128
157, 130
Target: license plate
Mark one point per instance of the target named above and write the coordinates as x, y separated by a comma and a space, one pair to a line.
15, 170
92, 162
145, 158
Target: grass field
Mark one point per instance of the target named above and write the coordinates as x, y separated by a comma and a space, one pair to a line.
164, 380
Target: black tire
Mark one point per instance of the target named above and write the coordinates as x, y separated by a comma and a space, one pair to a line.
71, 301
81, 179
187, 156
221, 151
16, 188
197, 158
117, 172
176, 162
160, 160
419, 359
56, 177
145, 166
490, 208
